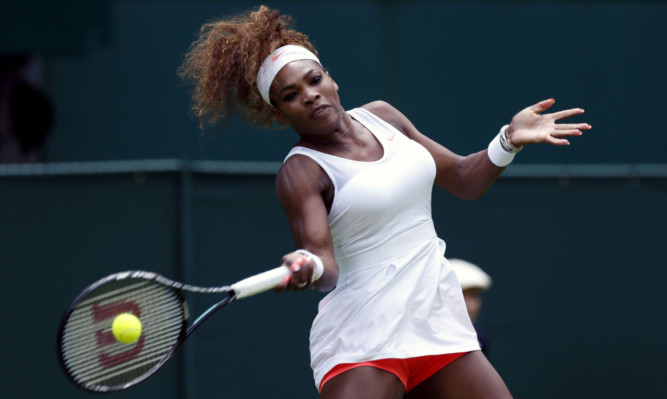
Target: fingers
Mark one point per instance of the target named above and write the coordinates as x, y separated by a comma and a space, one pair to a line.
553, 140
296, 277
570, 129
532, 126
573, 126
542, 105
561, 131
556, 116
566, 113
302, 277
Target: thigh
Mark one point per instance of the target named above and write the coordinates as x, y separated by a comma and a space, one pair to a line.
363, 383
469, 377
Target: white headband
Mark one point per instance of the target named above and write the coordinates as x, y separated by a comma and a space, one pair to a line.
275, 62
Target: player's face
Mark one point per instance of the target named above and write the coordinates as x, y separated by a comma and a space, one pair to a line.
306, 98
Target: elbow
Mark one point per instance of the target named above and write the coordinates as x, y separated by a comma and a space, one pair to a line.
470, 190
465, 192
473, 191
471, 187
467, 188
471, 196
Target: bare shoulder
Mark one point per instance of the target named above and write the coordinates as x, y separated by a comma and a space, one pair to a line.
391, 115
298, 176
384, 110
298, 168
379, 107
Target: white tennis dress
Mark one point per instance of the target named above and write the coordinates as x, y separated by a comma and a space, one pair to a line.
397, 296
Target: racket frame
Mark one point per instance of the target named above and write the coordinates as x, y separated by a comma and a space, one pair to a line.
247, 287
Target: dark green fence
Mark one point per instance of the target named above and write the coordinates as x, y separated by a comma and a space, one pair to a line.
576, 253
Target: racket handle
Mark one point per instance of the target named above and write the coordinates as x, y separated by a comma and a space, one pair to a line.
269, 279
261, 282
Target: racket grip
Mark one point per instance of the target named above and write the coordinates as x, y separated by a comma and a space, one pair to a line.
260, 282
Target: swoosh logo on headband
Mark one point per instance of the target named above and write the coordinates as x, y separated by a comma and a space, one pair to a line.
276, 57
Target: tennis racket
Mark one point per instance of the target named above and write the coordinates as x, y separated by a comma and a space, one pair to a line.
92, 357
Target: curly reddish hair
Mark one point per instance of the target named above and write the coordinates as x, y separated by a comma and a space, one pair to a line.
222, 64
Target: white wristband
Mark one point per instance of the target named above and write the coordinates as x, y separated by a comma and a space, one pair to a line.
319, 266
497, 153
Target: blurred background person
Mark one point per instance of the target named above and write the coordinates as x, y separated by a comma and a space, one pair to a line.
474, 281
26, 111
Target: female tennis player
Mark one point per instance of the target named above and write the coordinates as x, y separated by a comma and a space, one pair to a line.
356, 189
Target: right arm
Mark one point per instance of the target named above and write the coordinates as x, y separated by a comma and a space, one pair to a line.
301, 185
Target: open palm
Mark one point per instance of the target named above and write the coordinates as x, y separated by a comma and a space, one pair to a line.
530, 125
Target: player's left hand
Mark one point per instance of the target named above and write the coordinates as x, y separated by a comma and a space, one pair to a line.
531, 125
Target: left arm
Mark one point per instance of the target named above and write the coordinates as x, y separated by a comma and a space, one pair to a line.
469, 177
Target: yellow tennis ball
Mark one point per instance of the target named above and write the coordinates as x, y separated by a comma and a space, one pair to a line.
126, 328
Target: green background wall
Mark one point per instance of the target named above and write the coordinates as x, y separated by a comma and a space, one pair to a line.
576, 253
576, 308
459, 70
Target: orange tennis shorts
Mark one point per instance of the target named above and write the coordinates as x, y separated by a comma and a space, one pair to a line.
412, 371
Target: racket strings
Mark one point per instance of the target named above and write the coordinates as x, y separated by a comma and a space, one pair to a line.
92, 355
